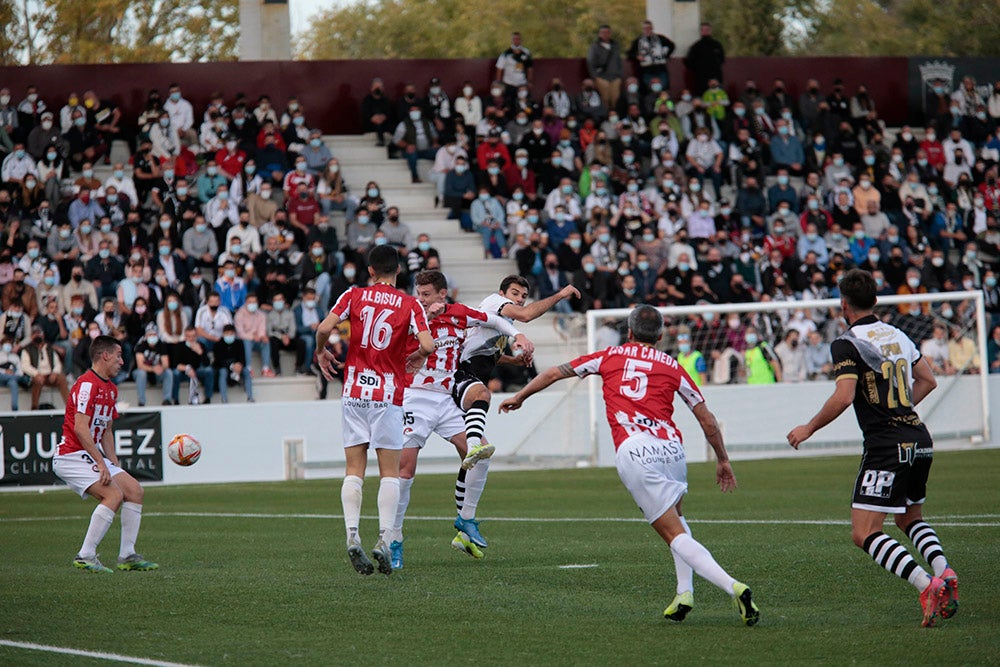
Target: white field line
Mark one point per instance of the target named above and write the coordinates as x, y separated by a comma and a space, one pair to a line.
952, 521
97, 655
578, 566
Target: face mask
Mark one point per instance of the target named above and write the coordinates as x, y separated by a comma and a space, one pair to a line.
299, 121
85, 229
575, 244
350, 272
839, 162
373, 192
165, 224
362, 219
483, 196
141, 310
414, 115
683, 266
533, 219
684, 348
931, 136
164, 250
63, 234
173, 305
740, 112
168, 174
50, 280
175, 96
696, 187
557, 162
104, 253
229, 338
196, 281
751, 339
874, 257
8, 348
937, 261
252, 307
381, 240
783, 180
94, 333
990, 281
913, 282
230, 273
279, 306
779, 231
589, 267
725, 210
223, 196
628, 159
783, 130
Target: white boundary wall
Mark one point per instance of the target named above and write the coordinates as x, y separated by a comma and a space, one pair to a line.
245, 443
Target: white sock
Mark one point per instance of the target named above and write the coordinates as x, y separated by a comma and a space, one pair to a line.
131, 518
350, 498
388, 503
699, 558
475, 483
685, 575
100, 521
404, 502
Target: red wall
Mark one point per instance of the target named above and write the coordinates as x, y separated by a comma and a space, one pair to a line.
331, 90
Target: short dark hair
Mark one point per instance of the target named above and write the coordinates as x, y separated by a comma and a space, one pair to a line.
858, 289
384, 260
514, 279
101, 345
646, 324
433, 278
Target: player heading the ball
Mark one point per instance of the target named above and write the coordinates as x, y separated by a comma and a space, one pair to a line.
87, 462
639, 387
382, 320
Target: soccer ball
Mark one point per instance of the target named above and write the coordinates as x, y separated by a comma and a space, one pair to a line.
183, 449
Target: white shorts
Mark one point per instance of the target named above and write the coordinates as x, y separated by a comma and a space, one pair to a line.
426, 412
374, 422
654, 471
79, 470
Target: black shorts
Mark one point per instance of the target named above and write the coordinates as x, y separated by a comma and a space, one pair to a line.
892, 478
463, 381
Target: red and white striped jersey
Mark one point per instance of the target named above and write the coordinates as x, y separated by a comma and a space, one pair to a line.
95, 397
382, 319
448, 328
639, 386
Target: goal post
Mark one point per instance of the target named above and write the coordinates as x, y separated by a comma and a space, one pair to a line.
957, 411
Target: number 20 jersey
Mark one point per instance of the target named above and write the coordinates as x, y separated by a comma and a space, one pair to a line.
382, 319
639, 386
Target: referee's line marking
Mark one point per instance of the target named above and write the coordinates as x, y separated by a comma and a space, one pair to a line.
951, 523
97, 655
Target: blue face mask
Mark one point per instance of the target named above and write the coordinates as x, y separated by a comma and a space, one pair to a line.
229, 338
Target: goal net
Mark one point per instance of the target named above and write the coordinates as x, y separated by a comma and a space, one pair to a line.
784, 378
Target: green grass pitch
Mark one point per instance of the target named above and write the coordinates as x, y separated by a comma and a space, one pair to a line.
244, 590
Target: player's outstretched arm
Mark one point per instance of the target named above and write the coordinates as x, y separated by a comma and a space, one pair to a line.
540, 382
841, 399
536, 309
324, 358
923, 381
724, 475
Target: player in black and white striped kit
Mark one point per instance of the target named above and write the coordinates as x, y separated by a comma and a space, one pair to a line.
880, 371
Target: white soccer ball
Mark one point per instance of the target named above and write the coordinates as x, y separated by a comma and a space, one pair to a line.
183, 449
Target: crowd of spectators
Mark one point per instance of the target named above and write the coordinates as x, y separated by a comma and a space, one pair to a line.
213, 240
636, 191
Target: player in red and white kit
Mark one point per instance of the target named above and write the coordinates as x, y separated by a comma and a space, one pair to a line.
436, 402
639, 387
87, 462
382, 319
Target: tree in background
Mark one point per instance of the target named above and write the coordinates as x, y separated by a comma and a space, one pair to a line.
118, 31
465, 28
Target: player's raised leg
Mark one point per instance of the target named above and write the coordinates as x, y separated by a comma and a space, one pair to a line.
131, 517
475, 405
866, 530
350, 498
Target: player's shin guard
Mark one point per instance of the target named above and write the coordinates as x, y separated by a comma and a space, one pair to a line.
701, 561
350, 498
100, 521
685, 575
131, 519
460, 485
475, 423
926, 541
404, 502
475, 483
388, 503
894, 557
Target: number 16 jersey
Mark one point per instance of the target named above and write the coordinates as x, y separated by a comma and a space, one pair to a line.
639, 386
382, 320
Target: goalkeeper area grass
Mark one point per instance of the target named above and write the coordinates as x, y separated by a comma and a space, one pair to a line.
257, 574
